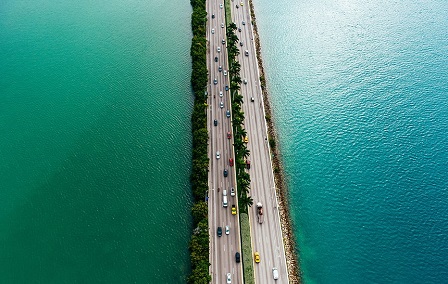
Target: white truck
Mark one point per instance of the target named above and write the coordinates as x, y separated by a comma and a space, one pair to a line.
260, 212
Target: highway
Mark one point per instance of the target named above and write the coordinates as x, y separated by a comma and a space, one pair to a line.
222, 249
266, 237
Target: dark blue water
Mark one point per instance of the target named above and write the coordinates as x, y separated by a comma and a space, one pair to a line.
360, 97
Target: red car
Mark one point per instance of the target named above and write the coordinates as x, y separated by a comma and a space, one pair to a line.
231, 162
229, 135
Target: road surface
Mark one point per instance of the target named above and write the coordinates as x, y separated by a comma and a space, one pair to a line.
266, 237
222, 249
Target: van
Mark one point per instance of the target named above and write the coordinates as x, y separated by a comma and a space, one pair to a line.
224, 201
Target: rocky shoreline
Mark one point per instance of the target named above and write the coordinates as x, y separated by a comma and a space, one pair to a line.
282, 193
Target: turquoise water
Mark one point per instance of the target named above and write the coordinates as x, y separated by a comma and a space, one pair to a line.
95, 144
360, 97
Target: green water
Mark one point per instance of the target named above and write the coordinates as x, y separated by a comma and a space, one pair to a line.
95, 141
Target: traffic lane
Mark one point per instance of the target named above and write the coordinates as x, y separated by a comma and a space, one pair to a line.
217, 145
263, 147
227, 150
272, 192
261, 193
263, 237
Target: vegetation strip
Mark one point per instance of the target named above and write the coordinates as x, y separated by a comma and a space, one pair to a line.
246, 247
241, 151
200, 241
288, 236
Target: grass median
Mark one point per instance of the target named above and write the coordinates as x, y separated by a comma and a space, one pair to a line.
248, 264
228, 13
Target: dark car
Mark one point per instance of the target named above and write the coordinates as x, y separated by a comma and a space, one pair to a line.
241, 43
213, 16
231, 162
215, 122
227, 87
219, 231
248, 164
239, 29
228, 113
237, 257
229, 135
226, 173
215, 81
216, 59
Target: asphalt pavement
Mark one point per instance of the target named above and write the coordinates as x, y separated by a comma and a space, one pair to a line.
266, 237
222, 249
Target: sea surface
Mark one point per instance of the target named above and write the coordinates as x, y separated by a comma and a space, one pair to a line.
95, 141
359, 91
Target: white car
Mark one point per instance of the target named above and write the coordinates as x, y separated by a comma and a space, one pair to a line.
221, 6
222, 25
232, 191
227, 230
218, 49
220, 94
213, 31
275, 273
221, 104
229, 278
218, 155
245, 81
225, 72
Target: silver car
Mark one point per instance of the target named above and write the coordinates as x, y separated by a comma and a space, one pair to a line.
218, 155
229, 278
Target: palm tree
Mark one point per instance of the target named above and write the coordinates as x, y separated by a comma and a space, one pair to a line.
235, 67
237, 79
245, 152
245, 201
238, 99
234, 51
232, 26
234, 38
